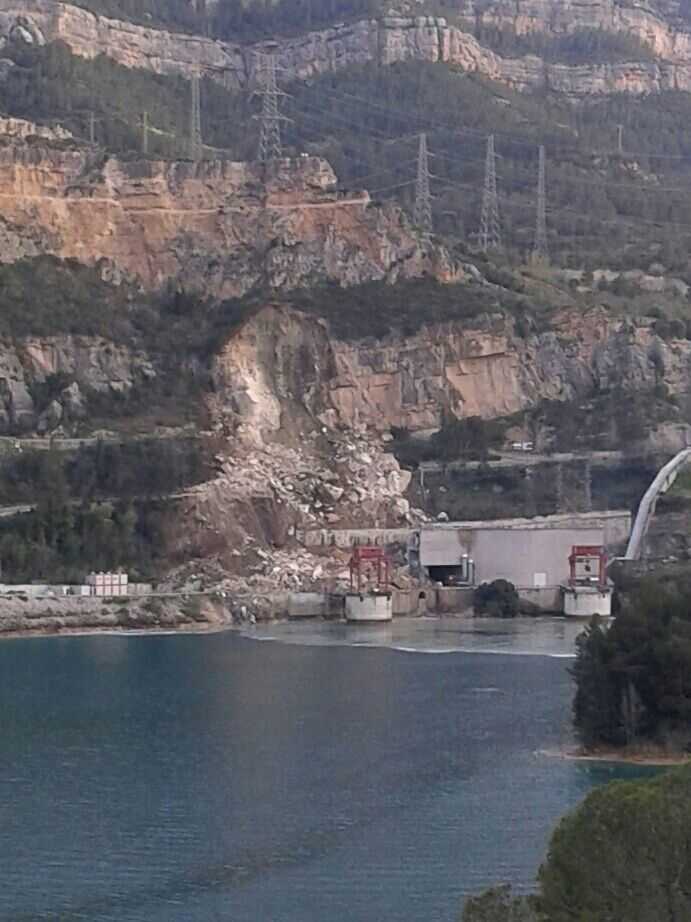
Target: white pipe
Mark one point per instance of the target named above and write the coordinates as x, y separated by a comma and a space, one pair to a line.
664, 479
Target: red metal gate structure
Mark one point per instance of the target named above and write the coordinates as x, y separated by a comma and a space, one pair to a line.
369, 569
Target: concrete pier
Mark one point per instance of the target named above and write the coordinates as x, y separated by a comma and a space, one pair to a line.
369, 606
586, 601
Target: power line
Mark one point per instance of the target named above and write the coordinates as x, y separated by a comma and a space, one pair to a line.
423, 198
195, 138
270, 119
540, 248
490, 234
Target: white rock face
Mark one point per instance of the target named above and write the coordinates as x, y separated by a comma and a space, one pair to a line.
392, 39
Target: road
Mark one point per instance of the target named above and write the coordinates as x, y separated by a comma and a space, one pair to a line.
510, 459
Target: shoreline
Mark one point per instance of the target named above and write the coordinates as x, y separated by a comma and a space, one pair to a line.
648, 756
114, 631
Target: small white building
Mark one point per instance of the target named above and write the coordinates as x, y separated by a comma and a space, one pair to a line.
108, 584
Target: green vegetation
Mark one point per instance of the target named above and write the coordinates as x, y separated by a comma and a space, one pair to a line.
499, 905
51, 83
62, 539
46, 297
633, 680
468, 439
583, 46
98, 508
624, 855
139, 469
625, 211
498, 599
377, 309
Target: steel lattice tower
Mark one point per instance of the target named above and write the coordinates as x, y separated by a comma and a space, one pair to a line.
423, 198
195, 139
270, 118
490, 233
540, 249
588, 486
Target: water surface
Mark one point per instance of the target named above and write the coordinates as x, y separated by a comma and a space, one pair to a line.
299, 779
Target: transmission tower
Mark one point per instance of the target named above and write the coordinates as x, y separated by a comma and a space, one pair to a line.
195, 139
270, 118
588, 487
490, 234
145, 132
540, 250
423, 198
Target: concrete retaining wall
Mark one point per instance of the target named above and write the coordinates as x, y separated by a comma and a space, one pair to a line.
307, 605
349, 537
547, 598
368, 607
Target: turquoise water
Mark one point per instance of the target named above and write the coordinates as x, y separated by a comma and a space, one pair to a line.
315, 776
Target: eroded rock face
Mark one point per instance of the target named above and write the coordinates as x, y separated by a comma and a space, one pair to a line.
384, 41
216, 227
305, 416
480, 368
79, 365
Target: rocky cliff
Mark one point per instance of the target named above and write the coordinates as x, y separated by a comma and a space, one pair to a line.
216, 227
305, 417
80, 365
283, 365
384, 41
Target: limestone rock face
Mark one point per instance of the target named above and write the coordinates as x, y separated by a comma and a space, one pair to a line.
302, 419
384, 41
216, 227
479, 368
90, 364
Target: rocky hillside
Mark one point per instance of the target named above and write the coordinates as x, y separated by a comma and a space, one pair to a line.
218, 228
306, 415
384, 41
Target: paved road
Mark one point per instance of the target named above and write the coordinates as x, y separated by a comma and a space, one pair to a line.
509, 459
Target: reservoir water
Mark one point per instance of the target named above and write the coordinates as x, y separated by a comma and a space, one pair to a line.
301, 774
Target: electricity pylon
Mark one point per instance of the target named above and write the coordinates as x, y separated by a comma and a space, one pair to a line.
270, 119
490, 233
423, 198
195, 140
540, 248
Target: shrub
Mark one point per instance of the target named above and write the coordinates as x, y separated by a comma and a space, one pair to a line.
497, 599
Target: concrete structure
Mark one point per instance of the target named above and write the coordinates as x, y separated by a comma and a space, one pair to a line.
108, 584
530, 553
663, 481
588, 592
353, 537
586, 601
307, 605
369, 606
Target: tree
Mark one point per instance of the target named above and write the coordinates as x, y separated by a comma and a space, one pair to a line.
597, 701
498, 599
498, 905
633, 680
624, 855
